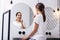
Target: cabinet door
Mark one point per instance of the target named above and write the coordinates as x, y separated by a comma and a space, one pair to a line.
5, 25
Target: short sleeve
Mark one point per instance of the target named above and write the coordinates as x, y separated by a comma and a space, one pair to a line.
37, 19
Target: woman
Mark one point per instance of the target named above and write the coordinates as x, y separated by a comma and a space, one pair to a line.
38, 32
19, 22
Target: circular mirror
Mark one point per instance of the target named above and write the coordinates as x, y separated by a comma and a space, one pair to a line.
21, 16
51, 18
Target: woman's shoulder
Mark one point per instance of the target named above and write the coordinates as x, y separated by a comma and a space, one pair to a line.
39, 16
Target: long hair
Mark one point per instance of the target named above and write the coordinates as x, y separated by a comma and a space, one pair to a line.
41, 7
17, 13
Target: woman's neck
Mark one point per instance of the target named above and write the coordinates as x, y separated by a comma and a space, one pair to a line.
18, 20
39, 12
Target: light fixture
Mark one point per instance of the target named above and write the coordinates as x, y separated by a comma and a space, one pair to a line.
57, 9
11, 2
53, 10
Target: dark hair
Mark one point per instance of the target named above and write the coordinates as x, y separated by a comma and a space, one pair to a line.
41, 7
17, 13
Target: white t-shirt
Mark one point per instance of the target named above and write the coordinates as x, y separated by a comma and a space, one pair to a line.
41, 29
17, 24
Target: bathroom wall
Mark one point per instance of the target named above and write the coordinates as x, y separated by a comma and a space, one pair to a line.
5, 5
52, 4
0, 19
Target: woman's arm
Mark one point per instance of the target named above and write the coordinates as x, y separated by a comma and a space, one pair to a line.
34, 30
32, 33
22, 24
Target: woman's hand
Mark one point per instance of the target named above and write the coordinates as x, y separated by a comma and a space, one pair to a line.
22, 24
21, 21
25, 38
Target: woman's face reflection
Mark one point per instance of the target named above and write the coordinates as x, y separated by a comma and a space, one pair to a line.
18, 16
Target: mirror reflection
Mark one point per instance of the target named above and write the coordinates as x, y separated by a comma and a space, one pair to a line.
19, 21
21, 16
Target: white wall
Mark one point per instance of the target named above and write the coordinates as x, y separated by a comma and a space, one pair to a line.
0, 20
50, 3
5, 5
